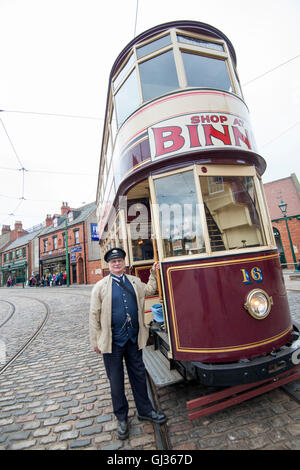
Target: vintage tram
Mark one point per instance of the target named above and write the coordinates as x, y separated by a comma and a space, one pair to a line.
180, 182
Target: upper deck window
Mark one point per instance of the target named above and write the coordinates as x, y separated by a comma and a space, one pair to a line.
158, 75
127, 98
200, 42
153, 46
124, 71
205, 71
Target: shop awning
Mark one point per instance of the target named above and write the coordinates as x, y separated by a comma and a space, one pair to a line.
15, 265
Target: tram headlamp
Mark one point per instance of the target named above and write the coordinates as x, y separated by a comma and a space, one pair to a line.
258, 304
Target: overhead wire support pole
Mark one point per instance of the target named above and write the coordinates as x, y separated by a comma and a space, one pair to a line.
136, 15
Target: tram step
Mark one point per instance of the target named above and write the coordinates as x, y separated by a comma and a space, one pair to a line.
158, 367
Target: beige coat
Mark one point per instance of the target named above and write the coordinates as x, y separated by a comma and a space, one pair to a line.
100, 311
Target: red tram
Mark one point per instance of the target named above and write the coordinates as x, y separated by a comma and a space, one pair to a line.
180, 182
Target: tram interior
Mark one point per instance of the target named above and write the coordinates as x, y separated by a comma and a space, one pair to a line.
231, 214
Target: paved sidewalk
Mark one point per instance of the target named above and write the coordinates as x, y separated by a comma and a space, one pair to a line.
289, 283
56, 394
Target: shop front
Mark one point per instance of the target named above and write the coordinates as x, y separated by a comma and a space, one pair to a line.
53, 265
14, 273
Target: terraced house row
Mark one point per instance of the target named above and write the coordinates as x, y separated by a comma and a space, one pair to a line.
65, 246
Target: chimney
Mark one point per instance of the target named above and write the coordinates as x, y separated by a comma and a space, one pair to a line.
5, 229
18, 226
48, 220
65, 208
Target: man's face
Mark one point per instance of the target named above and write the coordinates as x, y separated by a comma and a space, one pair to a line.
116, 266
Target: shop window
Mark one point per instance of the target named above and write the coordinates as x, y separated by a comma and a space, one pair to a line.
158, 75
180, 225
206, 72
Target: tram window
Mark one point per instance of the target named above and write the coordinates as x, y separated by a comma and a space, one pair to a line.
180, 225
232, 213
158, 75
124, 71
153, 46
139, 222
127, 98
200, 42
206, 72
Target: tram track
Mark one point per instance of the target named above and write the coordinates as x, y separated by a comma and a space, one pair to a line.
13, 309
32, 337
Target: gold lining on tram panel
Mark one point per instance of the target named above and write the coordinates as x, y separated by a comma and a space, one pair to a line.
177, 345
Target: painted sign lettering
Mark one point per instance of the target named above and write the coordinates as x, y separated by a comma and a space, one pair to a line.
199, 131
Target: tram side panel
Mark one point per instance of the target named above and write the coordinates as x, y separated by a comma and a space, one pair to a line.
207, 317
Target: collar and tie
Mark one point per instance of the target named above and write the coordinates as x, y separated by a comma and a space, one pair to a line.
118, 279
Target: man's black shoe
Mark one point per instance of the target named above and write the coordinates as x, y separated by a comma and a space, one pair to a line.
154, 417
122, 428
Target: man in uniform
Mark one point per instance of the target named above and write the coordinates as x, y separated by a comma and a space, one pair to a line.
118, 330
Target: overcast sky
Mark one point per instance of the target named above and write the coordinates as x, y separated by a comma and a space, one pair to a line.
55, 59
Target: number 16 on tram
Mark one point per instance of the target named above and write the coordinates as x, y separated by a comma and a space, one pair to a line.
180, 182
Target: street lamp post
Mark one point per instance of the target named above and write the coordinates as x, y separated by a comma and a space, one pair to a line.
283, 207
67, 252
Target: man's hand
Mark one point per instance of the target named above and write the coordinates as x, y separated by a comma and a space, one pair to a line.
97, 350
155, 267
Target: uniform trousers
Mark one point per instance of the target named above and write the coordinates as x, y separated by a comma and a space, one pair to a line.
137, 376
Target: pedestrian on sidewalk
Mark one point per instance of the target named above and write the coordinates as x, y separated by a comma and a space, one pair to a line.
118, 330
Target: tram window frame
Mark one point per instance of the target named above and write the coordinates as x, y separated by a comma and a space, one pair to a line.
122, 111
149, 60
201, 250
246, 171
134, 61
213, 170
145, 226
212, 60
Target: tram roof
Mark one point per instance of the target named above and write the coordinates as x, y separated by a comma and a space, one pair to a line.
187, 25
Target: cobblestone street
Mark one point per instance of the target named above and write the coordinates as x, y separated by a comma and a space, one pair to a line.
56, 395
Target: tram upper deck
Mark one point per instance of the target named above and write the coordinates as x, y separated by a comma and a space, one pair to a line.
175, 102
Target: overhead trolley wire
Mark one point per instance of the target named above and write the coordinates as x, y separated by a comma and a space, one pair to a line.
271, 70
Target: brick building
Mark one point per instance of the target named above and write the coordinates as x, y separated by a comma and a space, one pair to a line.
81, 252
19, 259
285, 190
